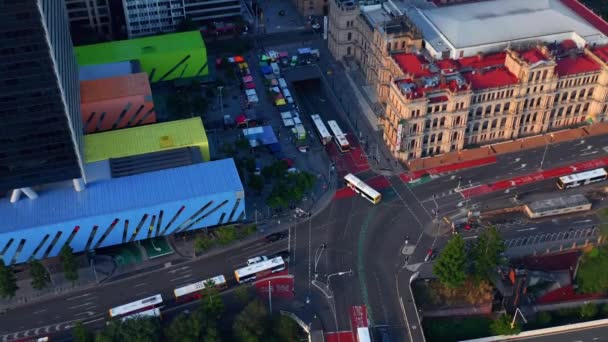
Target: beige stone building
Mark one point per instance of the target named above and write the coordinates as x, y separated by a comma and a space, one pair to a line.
504, 91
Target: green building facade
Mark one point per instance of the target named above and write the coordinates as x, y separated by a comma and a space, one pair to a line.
165, 57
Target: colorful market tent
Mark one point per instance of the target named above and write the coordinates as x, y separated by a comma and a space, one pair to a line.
249, 85
247, 78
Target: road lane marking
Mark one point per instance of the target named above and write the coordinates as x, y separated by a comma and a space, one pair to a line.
40, 311
182, 277
179, 269
470, 237
81, 305
526, 229
141, 284
83, 295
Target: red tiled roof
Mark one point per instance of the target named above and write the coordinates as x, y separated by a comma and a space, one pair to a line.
412, 64
447, 64
490, 79
478, 62
602, 53
576, 65
533, 56
587, 14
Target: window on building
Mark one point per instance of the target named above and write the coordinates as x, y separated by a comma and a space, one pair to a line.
348, 50
350, 36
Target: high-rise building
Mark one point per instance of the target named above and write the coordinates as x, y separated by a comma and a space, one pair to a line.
40, 121
148, 17
94, 14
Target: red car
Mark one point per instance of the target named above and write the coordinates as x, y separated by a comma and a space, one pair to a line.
288, 162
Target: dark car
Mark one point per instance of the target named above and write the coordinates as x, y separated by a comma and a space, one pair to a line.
284, 254
276, 236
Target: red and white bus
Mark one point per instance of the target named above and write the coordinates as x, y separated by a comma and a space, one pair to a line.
194, 291
147, 307
321, 129
339, 136
259, 270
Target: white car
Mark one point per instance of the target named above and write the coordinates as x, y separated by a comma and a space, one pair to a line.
256, 260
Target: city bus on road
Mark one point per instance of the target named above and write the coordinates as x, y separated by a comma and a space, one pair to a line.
194, 291
582, 178
141, 308
259, 270
321, 129
340, 137
362, 188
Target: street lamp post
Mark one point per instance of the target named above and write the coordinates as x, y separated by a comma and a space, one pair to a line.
318, 254
221, 102
542, 161
337, 274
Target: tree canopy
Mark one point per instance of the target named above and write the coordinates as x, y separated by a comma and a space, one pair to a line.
40, 277
486, 253
8, 281
70, 264
450, 266
591, 276
132, 330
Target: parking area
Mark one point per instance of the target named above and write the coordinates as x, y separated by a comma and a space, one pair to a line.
560, 237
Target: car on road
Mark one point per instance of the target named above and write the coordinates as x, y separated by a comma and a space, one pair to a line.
256, 260
276, 236
284, 254
430, 255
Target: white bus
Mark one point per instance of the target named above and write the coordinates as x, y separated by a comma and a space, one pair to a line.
339, 136
581, 178
259, 270
144, 314
194, 291
361, 188
321, 129
136, 307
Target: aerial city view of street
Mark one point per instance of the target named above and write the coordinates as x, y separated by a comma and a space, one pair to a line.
304, 170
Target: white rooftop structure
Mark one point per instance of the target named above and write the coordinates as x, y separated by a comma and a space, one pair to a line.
488, 26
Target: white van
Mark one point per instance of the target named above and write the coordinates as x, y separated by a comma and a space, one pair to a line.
275, 69
282, 83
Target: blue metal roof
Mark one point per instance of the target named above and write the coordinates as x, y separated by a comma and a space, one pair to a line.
120, 194
107, 70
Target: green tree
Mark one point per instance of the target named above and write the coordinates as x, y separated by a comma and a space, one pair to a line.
589, 310
8, 281
284, 328
242, 294
225, 235
81, 334
202, 242
256, 183
70, 264
451, 263
486, 253
40, 277
131, 330
250, 324
502, 326
212, 304
185, 328
591, 276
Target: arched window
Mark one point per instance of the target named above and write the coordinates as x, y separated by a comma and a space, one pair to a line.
457, 122
497, 108
489, 109
442, 122
432, 139
503, 122
435, 122
485, 125
478, 112
439, 136
494, 123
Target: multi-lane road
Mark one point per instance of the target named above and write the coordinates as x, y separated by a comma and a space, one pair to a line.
365, 260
